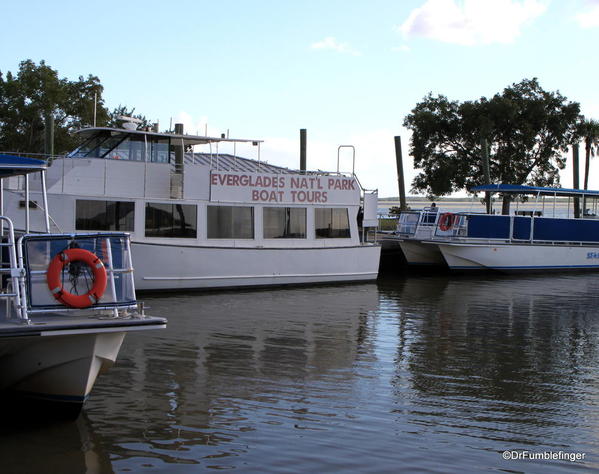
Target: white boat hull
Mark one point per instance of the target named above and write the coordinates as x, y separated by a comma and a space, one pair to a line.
193, 267
423, 254
57, 368
519, 257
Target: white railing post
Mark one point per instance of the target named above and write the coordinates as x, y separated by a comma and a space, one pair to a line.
115, 311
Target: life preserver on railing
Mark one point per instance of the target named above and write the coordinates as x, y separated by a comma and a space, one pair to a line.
446, 221
76, 255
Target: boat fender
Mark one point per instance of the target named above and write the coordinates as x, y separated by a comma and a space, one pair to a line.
446, 221
53, 276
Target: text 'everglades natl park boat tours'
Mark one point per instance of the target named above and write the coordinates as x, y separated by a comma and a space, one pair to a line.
548, 235
67, 302
208, 220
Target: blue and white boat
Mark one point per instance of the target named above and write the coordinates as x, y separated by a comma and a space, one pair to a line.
545, 236
66, 304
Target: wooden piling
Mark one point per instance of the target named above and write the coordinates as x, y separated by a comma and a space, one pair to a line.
576, 180
400, 176
303, 135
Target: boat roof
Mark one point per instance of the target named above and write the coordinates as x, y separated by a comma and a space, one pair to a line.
19, 165
228, 162
522, 189
187, 139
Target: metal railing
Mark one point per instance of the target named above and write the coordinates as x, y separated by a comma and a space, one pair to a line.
29, 283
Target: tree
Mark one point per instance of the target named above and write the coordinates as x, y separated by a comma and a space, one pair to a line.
527, 130
35, 93
589, 131
123, 111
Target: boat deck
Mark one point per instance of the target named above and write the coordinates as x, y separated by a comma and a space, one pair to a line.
60, 324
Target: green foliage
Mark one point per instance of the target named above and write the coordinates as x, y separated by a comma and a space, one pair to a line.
527, 130
37, 92
123, 111
588, 132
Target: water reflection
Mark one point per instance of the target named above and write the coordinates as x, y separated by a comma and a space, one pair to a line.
421, 372
62, 447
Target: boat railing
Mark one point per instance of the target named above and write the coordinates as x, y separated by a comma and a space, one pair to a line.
29, 269
412, 223
408, 223
10, 272
531, 229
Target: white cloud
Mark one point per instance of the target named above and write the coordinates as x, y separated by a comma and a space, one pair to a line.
471, 22
330, 43
590, 17
404, 48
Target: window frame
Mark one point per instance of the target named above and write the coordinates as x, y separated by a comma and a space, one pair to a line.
171, 233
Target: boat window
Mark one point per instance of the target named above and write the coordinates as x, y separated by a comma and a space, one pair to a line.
284, 222
159, 150
104, 215
171, 220
230, 222
105, 148
87, 148
132, 148
331, 223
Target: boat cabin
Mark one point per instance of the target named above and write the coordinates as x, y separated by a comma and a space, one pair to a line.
157, 186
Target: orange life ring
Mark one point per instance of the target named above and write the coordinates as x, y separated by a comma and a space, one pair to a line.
446, 221
54, 281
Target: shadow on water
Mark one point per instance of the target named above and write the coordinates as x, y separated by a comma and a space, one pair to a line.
66, 446
428, 372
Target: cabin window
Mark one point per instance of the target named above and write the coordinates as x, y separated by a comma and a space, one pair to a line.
104, 215
284, 222
331, 223
230, 222
171, 220
132, 148
159, 152
90, 147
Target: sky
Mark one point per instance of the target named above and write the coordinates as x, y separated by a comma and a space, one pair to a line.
348, 71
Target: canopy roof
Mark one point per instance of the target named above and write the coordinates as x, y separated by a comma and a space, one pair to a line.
185, 139
520, 189
19, 165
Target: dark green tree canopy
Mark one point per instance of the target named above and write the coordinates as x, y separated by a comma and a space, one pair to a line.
37, 92
527, 130
27, 99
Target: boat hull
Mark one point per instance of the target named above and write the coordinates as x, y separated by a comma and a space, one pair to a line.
59, 369
512, 257
173, 267
422, 254
54, 361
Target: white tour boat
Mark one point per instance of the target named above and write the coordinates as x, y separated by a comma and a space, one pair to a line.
207, 220
527, 240
69, 300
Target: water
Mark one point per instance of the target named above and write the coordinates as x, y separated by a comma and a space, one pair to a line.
426, 373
